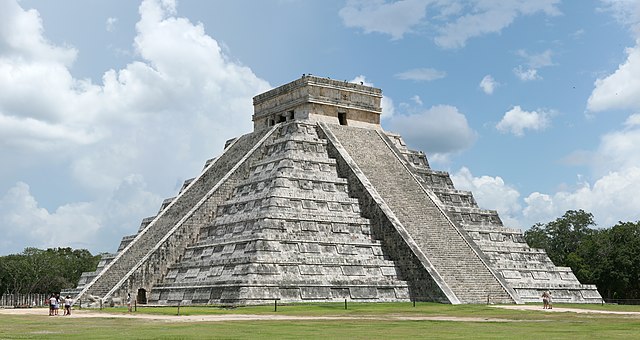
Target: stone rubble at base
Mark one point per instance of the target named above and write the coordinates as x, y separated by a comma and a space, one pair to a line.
320, 204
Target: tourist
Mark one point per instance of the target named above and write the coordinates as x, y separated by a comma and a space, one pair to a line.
56, 306
129, 302
67, 305
545, 299
52, 303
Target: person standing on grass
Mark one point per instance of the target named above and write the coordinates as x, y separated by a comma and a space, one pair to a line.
129, 302
51, 301
52, 305
56, 306
67, 305
545, 299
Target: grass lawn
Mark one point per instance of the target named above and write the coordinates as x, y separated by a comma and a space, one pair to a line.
356, 323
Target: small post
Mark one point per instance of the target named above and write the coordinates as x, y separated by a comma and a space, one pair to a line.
275, 305
345, 304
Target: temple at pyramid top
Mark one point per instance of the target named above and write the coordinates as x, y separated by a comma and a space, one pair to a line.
319, 100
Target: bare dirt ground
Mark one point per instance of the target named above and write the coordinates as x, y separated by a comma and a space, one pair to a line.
273, 317
238, 317
563, 309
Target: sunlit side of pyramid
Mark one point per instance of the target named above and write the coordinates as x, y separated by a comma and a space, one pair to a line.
320, 204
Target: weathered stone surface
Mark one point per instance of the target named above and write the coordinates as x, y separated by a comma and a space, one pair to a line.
308, 209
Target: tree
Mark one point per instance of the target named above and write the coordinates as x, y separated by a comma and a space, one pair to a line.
44, 271
562, 237
608, 257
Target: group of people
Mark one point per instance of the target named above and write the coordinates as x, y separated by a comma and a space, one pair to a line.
546, 300
56, 300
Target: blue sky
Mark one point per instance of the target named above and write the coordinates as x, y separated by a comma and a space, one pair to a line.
107, 106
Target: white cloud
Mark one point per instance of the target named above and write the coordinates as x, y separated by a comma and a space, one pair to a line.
440, 130
537, 60
21, 38
488, 84
612, 198
491, 193
421, 74
612, 194
393, 18
516, 120
455, 21
526, 74
627, 12
110, 24
25, 223
486, 17
156, 120
79, 225
621, 89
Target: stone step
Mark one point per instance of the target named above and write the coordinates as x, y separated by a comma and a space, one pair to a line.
454, 259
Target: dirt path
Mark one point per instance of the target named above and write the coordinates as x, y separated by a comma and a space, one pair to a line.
85, 313
243, 317
564, 309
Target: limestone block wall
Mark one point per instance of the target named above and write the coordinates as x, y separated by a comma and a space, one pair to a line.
528, 271
144, 260
289, 231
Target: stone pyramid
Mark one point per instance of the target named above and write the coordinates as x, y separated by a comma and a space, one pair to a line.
320, 204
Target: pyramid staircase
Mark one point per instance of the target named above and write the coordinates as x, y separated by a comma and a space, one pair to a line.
527, 270
461, 270
289, 231
144, 260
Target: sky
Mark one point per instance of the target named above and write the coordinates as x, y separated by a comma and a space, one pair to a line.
107, 106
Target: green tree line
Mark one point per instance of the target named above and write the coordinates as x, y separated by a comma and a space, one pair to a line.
44, 271
606, 257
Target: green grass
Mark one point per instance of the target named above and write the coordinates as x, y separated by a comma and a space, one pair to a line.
523, 324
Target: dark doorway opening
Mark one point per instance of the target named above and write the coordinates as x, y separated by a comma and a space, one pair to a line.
342, 118
142, 296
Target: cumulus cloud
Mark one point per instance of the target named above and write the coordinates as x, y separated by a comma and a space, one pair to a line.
517, 120
488, 84
153, 122
454, 22
536, 60
532, 63
526, 74
111, 24
421, 74
28, 224
393, 18
485, 17
610, 199
438, 130
491, 193
621, 89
